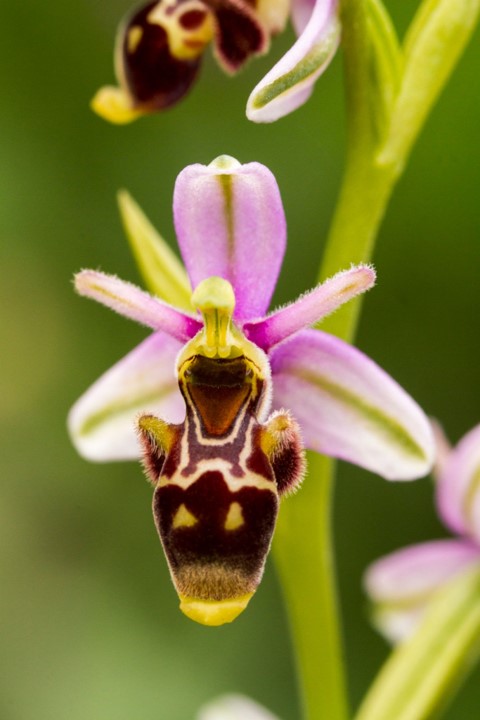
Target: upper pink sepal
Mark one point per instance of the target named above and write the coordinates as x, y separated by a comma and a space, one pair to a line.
102, 421
290, 82
132, 302
348, 407
458, 487
230, 223
401, 584
310, 308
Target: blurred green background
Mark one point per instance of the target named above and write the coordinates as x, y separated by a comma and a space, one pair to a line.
89, 621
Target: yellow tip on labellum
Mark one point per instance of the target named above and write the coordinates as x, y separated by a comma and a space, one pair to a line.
113, 104
213, 612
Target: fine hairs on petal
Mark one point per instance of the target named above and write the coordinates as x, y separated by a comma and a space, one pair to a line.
311, 307
136, 304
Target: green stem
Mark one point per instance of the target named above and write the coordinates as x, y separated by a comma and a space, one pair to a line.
366, 186
363, 200
302, 547
303, 555
303, 544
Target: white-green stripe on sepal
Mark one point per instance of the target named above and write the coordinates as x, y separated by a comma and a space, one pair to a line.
434, 43
282, 92
161, 270
421, 675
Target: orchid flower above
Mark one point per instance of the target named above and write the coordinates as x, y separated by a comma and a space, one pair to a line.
198, 392
402, 584
159, 49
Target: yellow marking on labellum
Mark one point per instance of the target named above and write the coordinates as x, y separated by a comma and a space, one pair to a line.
183, 518
135, 35
161, 431
272, 433
184, 43
233, 483
234, 519
213, 612
115, 105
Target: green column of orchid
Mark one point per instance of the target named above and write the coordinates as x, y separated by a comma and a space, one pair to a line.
390, 90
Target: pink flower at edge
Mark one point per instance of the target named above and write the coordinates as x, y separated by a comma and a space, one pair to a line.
401, 584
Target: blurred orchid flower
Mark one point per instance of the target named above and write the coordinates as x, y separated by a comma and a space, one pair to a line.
220, 469
234, 707
401, 584
159, 49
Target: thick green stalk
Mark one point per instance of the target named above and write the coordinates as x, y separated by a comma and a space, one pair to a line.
366, 186
303, 542
303, 555
302, 547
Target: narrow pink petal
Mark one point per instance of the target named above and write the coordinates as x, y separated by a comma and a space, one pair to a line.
134, 303
348, 407
102, 421
230, 223
311, 307
458, 487
290, 82
234, 707
401, 584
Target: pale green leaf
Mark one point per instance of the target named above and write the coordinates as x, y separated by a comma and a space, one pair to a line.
161, 270
434, 43
386, 64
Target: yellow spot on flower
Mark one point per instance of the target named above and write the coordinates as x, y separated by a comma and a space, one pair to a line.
135, 35
114, 104
186, 40
213, 612
234, 518
183, 518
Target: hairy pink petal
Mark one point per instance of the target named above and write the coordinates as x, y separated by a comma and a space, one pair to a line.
230, 223
102, 421
310, 308
132, 302
348, 407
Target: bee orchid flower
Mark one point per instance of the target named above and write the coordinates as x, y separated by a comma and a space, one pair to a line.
220, 401
160, 45
402, 584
